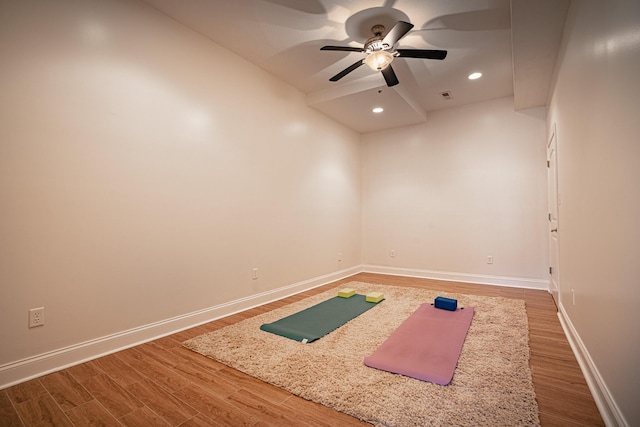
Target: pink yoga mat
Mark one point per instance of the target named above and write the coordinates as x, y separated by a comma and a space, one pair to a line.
426, 346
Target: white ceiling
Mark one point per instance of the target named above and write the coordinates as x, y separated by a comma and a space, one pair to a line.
513, 43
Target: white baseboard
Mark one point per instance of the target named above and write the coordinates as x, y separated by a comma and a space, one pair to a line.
607, 406
516, 282
32, 367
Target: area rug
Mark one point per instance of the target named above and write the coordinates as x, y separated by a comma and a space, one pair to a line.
491, 385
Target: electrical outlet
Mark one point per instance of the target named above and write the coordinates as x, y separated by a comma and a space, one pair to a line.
339, 256
36, 317
392, 253
490, 259
254, 273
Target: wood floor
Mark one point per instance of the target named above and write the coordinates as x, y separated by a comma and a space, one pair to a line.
160, 383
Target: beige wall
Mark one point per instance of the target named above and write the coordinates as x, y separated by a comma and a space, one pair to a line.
144, 171
596, 110
468, 184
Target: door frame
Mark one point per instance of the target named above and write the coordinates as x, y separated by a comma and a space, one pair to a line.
553, 206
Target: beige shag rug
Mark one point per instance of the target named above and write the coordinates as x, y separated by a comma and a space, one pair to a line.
491, 386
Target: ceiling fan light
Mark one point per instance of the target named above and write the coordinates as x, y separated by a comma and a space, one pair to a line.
378, 60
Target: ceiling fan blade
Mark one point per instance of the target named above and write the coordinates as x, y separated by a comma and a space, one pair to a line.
390, 76
422, 53
346, 71
343, 48
397, 32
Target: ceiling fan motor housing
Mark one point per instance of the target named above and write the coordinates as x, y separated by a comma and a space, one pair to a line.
375, 43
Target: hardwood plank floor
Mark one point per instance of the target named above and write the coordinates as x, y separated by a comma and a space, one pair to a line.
163, 384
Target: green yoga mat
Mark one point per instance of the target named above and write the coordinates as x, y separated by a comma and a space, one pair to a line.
317, 321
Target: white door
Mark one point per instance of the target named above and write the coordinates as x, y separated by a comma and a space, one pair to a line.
552, 183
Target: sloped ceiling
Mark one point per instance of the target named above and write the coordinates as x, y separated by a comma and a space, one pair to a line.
513, 43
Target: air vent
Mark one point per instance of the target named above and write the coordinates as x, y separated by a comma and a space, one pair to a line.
447, 95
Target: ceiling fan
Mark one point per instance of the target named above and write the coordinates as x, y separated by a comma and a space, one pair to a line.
380, 52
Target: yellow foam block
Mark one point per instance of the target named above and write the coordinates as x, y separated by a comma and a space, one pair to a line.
346, 292
375, 297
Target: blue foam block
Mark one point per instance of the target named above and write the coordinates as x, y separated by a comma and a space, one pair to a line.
446, 303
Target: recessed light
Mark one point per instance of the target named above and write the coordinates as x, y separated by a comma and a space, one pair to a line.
378, 110
474, 76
